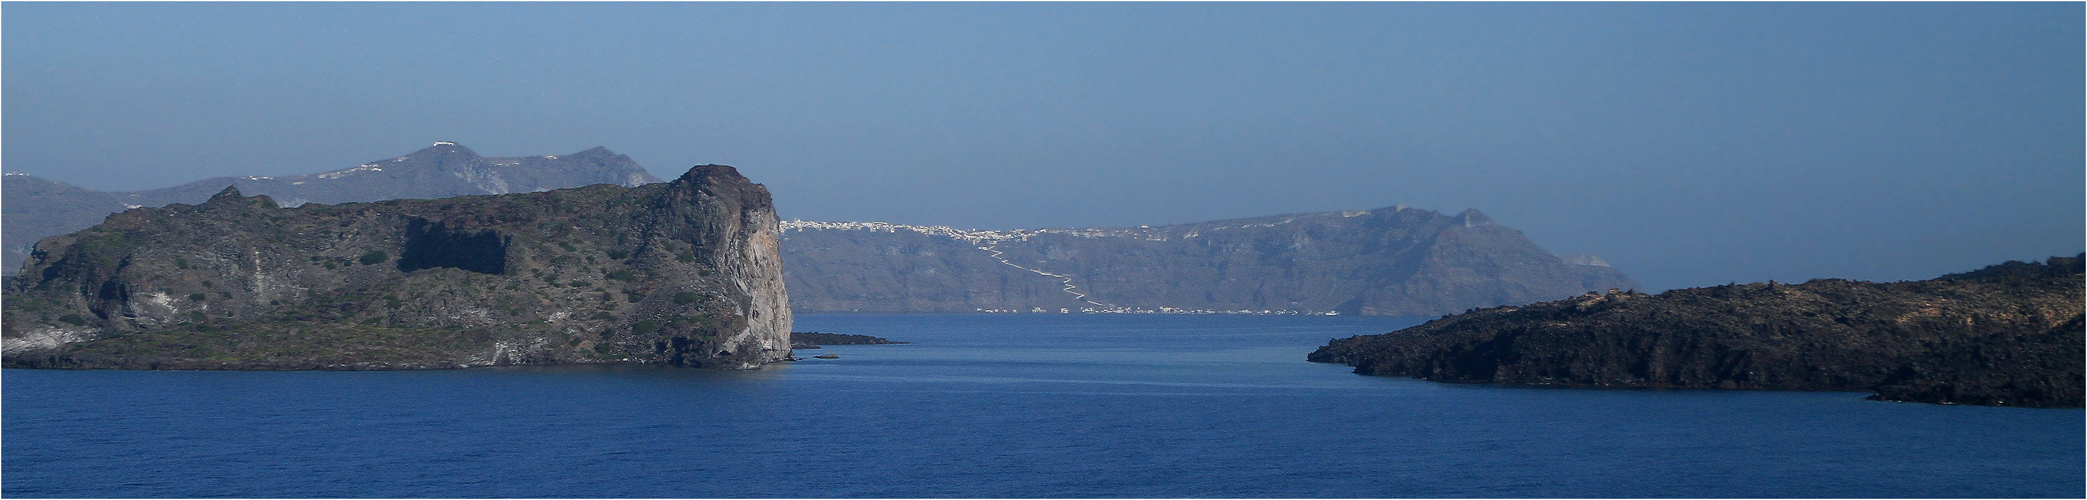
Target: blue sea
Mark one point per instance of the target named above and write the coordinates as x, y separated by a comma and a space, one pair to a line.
1000, 406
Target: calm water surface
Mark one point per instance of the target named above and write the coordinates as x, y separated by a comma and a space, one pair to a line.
1000, 406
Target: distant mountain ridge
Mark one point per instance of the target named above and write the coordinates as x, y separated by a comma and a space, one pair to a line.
1390, 261
37, 208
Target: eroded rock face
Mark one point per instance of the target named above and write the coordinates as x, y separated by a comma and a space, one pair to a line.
684, 272
2007, 335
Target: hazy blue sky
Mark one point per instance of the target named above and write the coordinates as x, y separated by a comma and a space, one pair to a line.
1688, 144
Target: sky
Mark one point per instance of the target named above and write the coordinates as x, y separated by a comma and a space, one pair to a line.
1686, 144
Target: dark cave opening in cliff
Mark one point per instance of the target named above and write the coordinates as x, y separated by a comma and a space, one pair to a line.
432, 245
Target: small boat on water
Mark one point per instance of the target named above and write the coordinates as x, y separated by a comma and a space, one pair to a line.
828, 356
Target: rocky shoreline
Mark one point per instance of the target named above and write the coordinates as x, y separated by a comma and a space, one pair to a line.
2007, 335
812, 340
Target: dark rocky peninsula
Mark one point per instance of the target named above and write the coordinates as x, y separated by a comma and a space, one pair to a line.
685, 272
1396, 261
2007, 335
812, 340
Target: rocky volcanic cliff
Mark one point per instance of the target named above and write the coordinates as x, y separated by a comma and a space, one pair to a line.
37, 208
685, 272
2010, 335
1391, 261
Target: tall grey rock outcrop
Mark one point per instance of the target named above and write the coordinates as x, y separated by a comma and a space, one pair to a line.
685, 272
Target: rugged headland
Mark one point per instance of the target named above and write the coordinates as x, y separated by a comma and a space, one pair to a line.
36, 208
685, 272
2006, 335
1390, 261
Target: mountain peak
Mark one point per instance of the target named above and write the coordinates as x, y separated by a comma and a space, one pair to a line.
229, 192
230, 197
702, 173
443, 148
1471, 217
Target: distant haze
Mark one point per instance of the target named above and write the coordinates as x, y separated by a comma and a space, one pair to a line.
1687, 144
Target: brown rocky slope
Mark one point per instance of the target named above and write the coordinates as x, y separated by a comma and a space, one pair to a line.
685, 272
2008, 335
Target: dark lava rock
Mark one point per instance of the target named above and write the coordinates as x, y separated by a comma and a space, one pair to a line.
685, 272
2008, 335
812, 340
